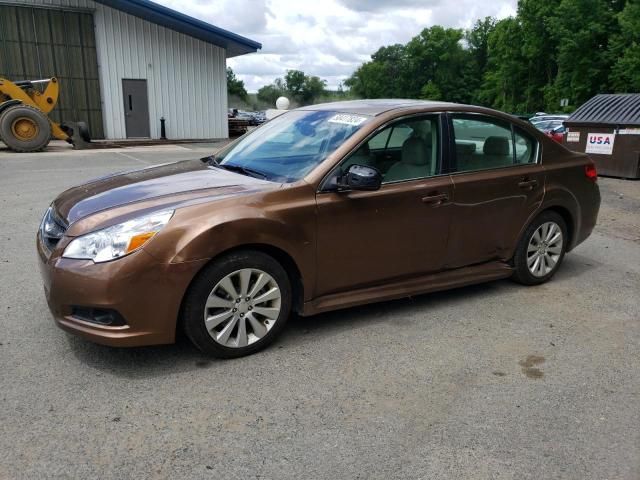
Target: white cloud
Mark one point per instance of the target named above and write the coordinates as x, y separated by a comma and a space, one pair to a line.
328, 38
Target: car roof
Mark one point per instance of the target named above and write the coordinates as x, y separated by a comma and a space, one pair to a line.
553, 121
376, 107
542, 118
381, 106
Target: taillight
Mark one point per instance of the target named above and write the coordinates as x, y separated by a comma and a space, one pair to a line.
590, 172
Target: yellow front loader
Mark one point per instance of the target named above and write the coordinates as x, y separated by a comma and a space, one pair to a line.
24, 122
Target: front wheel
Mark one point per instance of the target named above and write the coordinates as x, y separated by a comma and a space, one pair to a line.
237, 305
541, 249
25, 129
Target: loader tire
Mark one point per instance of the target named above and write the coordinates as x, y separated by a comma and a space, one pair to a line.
25, 129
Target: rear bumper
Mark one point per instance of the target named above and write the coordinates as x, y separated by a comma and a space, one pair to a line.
146, 293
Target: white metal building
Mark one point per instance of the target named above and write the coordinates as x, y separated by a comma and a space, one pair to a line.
123, 64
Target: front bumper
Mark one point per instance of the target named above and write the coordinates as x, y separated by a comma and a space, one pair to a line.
145, 292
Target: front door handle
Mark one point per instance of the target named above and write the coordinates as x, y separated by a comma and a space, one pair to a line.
435, 200
527, 184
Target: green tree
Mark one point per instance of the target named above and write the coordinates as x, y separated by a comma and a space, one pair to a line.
478, 45
302, 89
235, 86
506, 69
312, 88
478, 40
582, 29
430, 91
368, 81
383, 76
432, 62
294, 82
548, 51
538, 47
437, 55
270, 93
625, 47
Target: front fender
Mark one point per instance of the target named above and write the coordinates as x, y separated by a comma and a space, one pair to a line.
8, 104
203, 232
233, 233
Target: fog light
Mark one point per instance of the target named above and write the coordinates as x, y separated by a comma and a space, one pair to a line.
100, 316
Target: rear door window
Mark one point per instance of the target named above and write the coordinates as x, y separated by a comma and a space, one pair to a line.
483, 143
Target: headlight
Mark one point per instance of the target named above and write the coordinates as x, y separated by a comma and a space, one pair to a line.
118, 240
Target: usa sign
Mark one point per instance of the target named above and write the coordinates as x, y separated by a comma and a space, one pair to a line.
600, 143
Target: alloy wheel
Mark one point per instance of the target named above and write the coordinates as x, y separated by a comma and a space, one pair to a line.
544, 249
242, 308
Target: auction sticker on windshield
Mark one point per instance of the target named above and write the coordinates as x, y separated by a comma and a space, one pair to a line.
347, 119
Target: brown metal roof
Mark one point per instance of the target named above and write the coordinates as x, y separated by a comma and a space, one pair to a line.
612, 109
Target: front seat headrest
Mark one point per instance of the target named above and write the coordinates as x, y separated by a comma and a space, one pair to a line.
415, 151
497, 146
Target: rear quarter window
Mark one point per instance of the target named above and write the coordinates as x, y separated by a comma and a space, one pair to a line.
525, 147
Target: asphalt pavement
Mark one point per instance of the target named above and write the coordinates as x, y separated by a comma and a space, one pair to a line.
494, 381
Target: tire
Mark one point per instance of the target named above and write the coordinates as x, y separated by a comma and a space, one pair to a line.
536, 261
37, 132
237, 328
2, 136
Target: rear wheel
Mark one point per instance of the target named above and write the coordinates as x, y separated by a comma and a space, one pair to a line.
541, 249
237, 305
25, 129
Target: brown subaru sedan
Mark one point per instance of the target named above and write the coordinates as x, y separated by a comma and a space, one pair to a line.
321, 208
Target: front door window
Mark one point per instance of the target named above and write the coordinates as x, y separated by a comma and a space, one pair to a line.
406, 150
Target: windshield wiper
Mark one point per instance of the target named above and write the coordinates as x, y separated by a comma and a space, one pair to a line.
243, 170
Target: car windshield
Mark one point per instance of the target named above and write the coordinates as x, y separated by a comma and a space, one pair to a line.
288, 147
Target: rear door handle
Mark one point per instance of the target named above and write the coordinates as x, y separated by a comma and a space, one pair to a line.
528, 184
435, 200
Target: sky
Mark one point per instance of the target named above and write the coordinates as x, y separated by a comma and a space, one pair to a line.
328, 38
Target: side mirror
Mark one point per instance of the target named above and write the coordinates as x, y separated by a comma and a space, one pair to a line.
361, 177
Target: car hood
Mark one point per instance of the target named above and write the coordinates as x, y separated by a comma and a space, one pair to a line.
165, 185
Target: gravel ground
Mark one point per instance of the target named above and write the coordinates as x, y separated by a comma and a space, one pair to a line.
491, 381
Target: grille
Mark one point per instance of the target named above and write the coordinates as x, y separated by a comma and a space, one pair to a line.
52, 229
